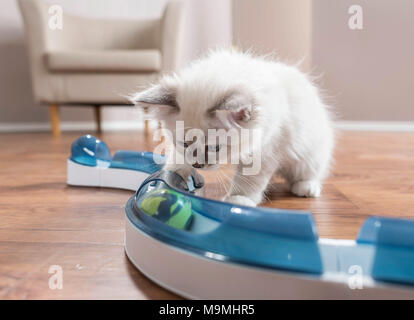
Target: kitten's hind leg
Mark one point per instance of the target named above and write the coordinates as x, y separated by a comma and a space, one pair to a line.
307, 188
304, 179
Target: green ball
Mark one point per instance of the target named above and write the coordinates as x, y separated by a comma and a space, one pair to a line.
168, 206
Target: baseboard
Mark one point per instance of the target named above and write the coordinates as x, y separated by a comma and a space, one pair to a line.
389, 126
73, 126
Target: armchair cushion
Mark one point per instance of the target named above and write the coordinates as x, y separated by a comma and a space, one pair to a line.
144, 60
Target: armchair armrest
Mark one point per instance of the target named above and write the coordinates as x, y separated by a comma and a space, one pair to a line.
34, 14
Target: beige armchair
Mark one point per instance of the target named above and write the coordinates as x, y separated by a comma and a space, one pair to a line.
96, 61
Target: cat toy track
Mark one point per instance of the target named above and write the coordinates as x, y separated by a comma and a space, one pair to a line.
206, 249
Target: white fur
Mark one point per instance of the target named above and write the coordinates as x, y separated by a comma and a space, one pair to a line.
297, 135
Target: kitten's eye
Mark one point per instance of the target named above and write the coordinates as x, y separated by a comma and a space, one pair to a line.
184, 144
213, 148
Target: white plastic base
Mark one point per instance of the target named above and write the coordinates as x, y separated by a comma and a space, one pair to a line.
195, 277
80, 175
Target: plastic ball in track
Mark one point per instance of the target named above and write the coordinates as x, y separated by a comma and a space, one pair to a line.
168, 206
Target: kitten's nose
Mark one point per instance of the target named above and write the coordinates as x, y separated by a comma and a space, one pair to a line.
197, 165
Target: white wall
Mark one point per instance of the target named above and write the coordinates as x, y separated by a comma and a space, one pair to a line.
367, 73
282, 27
15, 89
207, 24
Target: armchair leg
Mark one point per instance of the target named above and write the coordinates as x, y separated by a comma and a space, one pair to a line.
147, 128
55, 119
98, 119
160, 127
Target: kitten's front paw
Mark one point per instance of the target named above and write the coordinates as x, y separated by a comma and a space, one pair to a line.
242, 200
182, 170
307, 188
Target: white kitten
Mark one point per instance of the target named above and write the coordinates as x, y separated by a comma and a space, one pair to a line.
248, 92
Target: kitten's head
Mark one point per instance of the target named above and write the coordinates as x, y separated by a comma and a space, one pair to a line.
203, 101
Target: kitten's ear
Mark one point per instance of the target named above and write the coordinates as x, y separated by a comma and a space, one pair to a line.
159, 100
235, 110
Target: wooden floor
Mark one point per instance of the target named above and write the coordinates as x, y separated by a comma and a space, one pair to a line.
44, 222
